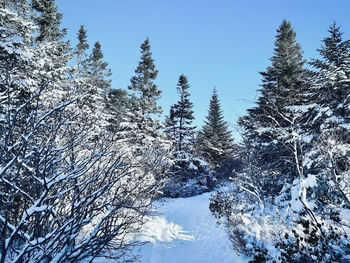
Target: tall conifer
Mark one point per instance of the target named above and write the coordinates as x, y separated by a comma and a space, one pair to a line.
82, 46
98, 69
184, 114
329, 123
283, 85
48, 20
215, 141
142, 83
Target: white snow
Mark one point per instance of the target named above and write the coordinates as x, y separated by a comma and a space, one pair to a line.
158, 229
310, 181
36, 209
307, 138
185, 231
295, 202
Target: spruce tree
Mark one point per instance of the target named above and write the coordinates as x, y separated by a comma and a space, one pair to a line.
82, 36
48, 20
282, 82
329, 118
283, 85
188, 174
331, 85
107, 103
334, 50
214, 140
296, 156
183, 113
142, 84
142, 128
15, 35
329, 93
82, 46
98, 69
99, 85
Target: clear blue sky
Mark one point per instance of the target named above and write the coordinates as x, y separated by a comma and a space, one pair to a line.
222, 43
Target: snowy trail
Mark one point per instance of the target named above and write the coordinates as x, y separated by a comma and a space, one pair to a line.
185, 231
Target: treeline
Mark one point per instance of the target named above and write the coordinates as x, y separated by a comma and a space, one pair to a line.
290, 197
80, 161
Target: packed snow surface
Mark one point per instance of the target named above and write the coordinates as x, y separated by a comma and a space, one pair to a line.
185, 231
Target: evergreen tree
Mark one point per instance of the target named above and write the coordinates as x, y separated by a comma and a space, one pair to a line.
284, 84
99, 78
331, 85
21, 6
48, 20
334, 51
111, 102
141, 127
81, 74
214, 140
144, 143
82, 36
15, 34
98, 69
90, 81
329, 96
283, 81
142, 84
95, 87
329, 114
81, 47
183, 113
188, 175
16, 68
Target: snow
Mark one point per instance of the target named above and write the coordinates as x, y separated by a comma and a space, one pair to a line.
295, 202
192, 166
310, 181
302, 108
185, 231
36, 209
345, 214
307, 138
158, 229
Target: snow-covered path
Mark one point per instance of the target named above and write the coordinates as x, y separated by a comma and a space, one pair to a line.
185, 231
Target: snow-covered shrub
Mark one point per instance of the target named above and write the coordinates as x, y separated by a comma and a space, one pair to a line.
287, 228
188, 176
248, 227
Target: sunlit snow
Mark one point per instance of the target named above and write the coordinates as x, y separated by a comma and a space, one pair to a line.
185, 231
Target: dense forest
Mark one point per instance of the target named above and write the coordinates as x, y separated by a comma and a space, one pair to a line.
81, 161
